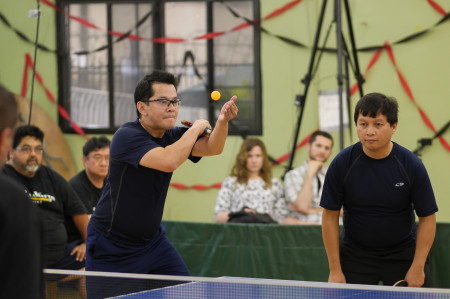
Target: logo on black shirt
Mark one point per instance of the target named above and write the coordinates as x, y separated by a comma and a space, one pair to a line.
38, 197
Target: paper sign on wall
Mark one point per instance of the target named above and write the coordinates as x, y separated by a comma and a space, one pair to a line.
329, 110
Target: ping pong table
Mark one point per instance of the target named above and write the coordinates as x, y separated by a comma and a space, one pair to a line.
135, 286
262, 288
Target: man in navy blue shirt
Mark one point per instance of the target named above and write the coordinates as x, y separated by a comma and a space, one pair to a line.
381, 186
125, 233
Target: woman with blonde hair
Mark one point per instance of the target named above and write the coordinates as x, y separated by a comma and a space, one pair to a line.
251, 188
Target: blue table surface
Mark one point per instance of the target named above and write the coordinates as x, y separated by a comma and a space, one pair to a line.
200, 290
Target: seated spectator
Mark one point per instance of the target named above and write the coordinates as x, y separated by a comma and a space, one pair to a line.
89, 182
303, 185
250, 188
53, 196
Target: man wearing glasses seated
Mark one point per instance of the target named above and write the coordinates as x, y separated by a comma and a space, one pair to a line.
53, 196
89, 182
125, 233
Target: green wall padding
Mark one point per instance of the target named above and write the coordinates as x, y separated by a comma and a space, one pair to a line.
272, 251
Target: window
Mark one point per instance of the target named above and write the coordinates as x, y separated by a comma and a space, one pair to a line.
99, 68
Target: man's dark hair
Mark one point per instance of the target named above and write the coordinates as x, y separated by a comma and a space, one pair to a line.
8, 109
144, 89
373, 103
25, 131
320, 133
95, 143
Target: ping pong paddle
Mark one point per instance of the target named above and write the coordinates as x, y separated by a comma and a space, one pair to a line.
189, 124
401, 283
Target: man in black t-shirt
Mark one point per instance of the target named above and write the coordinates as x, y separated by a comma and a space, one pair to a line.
89, 182
21, 252
53, 196
381, 186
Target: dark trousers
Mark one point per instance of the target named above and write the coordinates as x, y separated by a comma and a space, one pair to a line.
372, 267
103, 254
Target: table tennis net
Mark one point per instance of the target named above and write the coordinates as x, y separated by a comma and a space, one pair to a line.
82, 284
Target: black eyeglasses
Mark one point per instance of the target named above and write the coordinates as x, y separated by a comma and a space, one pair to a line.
165, 102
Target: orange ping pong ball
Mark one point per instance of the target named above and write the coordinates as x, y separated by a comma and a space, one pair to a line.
215, 95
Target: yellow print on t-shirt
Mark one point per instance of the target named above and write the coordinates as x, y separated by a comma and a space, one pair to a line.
37, 197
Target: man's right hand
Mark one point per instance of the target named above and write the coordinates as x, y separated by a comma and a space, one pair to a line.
201, 125
314, 167
336, 277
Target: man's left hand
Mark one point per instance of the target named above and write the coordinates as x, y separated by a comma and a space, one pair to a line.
415, 277
80, 252
228, 111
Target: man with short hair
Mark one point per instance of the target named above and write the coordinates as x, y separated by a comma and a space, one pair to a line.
53, 196
21, 250
89, 182
380, 185
303, 185
125, 233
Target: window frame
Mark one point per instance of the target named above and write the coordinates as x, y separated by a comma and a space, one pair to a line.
159, 60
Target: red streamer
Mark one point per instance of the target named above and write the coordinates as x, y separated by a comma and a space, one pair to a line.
23, 92
83, 22
405, 86
371, 63
209, 35
63, 112
241, 26
120, 34
438, 8
46, 2
302, 143
282, 9
163, 40
212, 35
408, 91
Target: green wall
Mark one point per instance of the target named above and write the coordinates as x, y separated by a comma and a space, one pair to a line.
424, 62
